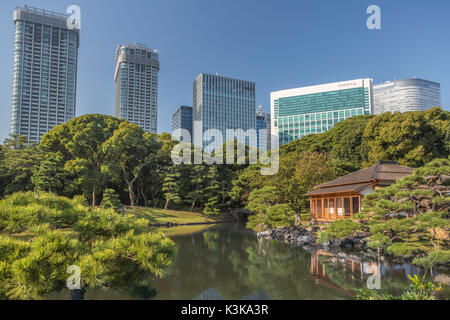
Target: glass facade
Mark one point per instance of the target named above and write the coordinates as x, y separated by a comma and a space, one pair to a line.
45, 72
223, 103
182, 119
262, 130
406, 95
316, 109
136, 82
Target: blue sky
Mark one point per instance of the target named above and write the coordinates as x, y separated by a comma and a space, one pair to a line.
278, 44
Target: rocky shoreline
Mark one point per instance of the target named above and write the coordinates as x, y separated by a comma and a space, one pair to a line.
306, 237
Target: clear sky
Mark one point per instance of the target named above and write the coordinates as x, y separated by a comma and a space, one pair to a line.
278, 44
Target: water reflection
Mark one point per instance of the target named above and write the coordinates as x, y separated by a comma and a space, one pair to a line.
228, 262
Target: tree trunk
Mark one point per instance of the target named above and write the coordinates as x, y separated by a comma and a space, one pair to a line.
167, 204
299, 221
144, 197
264, 222
131, 192
193, 202
93, 197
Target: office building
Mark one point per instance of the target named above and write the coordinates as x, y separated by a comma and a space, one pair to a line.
316, 109
136, 81
262, 129
223, 104
182, 119
44, 73
406, 95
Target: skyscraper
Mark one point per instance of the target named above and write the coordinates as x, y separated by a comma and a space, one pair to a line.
182, 119
223, 103
316, 109
406, 95
45, 72
263, 130
136, 81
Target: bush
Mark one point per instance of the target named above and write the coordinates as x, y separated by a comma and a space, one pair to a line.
438, 257
111, 200
418, 290
402, 249
340, 229
379, 241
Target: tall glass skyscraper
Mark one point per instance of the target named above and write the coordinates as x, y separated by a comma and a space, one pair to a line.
45, 72
136, 81
406, 95
263, 130
182, 119
223, 103
316, 109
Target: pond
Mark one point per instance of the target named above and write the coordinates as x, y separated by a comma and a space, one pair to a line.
228, 262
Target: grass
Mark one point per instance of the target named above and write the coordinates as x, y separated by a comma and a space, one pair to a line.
180, 230
154, 216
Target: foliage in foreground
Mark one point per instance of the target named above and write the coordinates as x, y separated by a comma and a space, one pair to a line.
419, 289
112, 250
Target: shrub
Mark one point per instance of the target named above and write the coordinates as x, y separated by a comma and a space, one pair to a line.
379, 241
340, 229
402, 249
438, 257
111, 200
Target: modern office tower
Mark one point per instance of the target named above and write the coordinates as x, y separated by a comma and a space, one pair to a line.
223, 103
406, 95
136, 80
316, 109
262, 129
182, 119
45, 72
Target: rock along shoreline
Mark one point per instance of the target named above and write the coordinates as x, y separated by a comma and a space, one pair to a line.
306, 237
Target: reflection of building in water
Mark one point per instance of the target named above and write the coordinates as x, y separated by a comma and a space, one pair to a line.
337, 269
213, 294
356, 266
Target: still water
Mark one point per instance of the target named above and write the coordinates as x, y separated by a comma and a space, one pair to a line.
228, 262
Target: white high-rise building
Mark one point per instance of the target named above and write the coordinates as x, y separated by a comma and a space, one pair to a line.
45, 72
136, 81
298, 112
406, 95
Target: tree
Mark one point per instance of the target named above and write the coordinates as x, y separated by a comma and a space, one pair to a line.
111, 250
80, 143
212, 192
171, 187
412, 138
299, 172
198, 176
19, 160
261, 200
129, 150
48, 175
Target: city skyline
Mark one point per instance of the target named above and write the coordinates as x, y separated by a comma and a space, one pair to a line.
95, 92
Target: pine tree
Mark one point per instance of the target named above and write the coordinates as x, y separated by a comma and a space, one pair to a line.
171, 187
212, 192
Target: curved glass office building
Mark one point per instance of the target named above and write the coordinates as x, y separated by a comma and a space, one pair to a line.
406, 95
316, 109
45, 72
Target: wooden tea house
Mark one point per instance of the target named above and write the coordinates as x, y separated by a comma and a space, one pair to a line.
341, 198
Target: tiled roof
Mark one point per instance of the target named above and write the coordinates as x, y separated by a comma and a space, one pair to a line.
337, 189
382, 171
